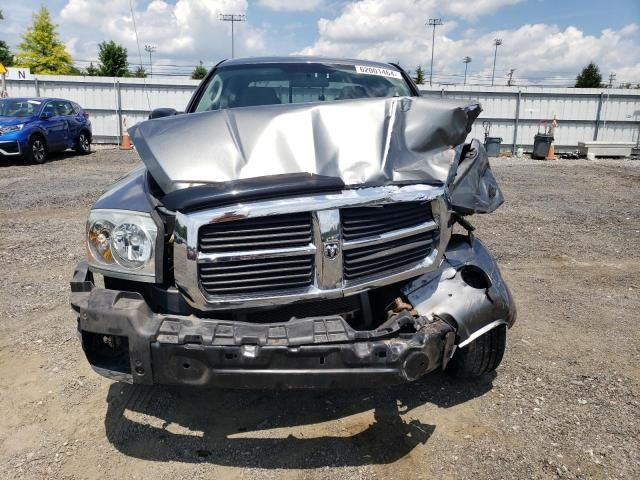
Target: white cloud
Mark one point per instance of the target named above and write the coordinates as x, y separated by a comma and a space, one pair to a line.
292, 5
188, 30
394, 30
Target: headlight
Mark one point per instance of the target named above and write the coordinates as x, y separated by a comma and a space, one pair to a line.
131, 245
11, 128
122, 243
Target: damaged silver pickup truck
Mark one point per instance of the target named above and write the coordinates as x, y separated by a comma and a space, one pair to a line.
295, 228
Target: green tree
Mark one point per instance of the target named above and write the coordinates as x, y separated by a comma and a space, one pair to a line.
75, 71
113, 60
139, 72
419, 78
199, 72
92, 70
41, 50
5, 53
590, 77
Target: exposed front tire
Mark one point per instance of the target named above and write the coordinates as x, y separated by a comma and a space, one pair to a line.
481, 356
37, 151
83, 143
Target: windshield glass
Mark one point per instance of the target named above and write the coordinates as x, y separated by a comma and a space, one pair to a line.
273, 83
19, 108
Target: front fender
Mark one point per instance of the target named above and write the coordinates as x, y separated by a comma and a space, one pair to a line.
33, 130
467, 289
128, 193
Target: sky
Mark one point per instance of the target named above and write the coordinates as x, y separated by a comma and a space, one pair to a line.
545, 41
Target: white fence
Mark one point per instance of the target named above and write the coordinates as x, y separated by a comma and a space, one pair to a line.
583, 114
109, 101
515, 113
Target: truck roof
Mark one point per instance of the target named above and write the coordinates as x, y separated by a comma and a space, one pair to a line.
303, 59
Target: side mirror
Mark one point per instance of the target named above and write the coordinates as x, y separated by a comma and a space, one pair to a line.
46, 115
162, 112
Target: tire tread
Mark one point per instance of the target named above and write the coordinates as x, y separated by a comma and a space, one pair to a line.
481, 356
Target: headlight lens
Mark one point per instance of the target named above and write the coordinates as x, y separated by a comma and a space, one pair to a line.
11, 128
122, 242
100, 241
131, 245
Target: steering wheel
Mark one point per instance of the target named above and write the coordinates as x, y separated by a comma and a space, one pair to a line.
216, 91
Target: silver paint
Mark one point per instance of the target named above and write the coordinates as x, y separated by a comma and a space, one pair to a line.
443, 293
474, 188
361, 142
328, 281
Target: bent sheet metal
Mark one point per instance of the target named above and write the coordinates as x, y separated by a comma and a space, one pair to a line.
361, 142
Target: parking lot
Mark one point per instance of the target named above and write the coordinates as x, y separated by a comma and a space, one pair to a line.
565, 402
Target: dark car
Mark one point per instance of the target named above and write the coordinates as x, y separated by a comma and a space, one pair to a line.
34, 127
303, 224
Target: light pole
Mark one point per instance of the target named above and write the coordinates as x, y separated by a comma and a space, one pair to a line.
433, 22
150, 49
467, 61
497, 42
233, 18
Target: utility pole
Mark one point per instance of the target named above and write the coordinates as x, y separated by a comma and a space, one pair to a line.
612, 77
467, 61
433, 22
150, 49
510, 75
497, 42
233, 18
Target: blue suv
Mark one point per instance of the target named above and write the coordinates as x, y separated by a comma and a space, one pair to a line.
34, 127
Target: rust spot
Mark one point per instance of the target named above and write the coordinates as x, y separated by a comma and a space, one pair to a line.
399, 306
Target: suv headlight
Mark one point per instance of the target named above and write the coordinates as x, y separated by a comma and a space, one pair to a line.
11, 128
122, 243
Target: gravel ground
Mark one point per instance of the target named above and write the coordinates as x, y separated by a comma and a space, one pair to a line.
564, 403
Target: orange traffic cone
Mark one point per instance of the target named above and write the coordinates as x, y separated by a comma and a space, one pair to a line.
552, 153
125, 144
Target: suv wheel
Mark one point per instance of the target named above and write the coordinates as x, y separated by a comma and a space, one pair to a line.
37, 152
481, 356
83, 144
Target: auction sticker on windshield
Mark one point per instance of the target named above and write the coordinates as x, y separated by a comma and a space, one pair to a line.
383, 72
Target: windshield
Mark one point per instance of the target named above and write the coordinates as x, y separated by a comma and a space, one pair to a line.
273, 83
19, 108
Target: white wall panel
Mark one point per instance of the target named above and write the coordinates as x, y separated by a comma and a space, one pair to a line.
575, 109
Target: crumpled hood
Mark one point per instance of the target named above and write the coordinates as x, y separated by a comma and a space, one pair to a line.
361, 142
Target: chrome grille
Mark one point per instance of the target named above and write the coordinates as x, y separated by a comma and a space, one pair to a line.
364, 222
281, 231
281, 251
386, 257
382, 239
257, 275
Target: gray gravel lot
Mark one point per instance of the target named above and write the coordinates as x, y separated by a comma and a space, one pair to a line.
565, 402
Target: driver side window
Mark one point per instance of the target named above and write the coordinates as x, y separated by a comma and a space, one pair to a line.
50, 108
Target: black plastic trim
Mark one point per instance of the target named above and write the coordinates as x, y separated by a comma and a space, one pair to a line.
202, 196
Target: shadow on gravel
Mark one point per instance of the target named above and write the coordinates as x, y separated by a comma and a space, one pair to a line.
12, 161
275, 429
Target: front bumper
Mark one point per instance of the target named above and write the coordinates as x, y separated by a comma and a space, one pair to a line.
153, 348
10, 147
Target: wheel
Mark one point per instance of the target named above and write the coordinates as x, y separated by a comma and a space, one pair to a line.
37, 150
481, 356
83, 143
